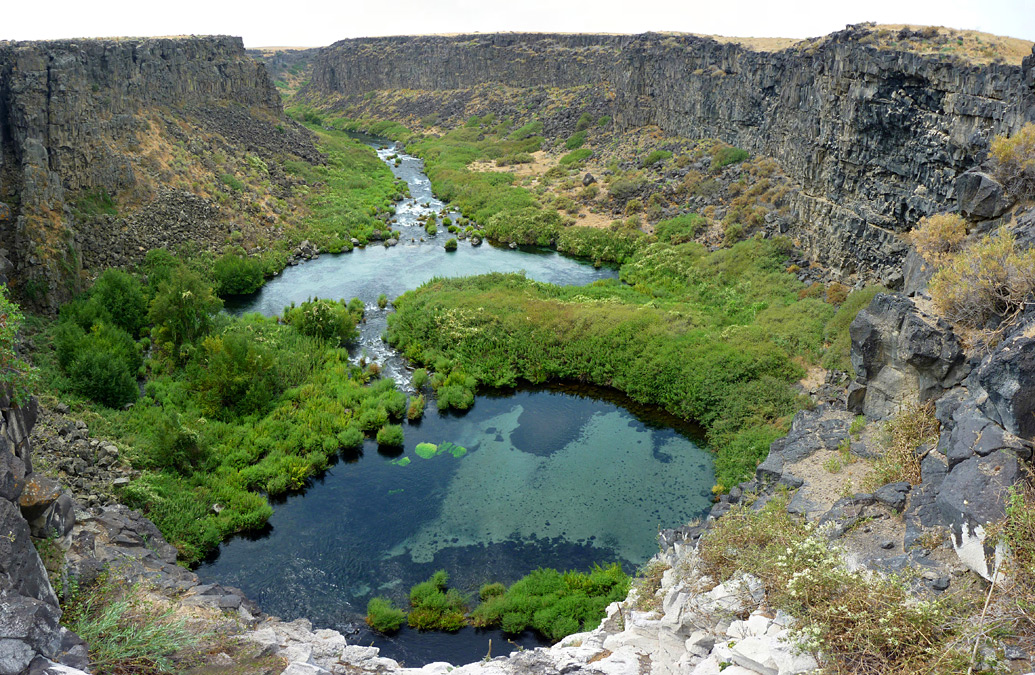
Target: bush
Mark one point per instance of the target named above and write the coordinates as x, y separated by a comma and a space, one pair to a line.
237, 274
451, 244
680, 229
585, 122
182, 311
1014, 161
575, 157
904, 434
121, 298
334, 321
939, 237
604, 121
390, 435
654, 157
435, 607
988, 281
101, 363
625, 189
727, 155
419, 379
555, 604
15, 373
837, 293
382, 301
383, 616
236, 375
576, 140
527, 131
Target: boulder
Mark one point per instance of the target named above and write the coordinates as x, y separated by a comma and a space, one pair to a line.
901, 356
979, 195
1008, 377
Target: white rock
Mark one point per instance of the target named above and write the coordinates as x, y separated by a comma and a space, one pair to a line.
754, 653
624, 661
296, 668
700, 643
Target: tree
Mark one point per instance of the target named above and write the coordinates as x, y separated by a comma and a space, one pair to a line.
181, 311
16, 376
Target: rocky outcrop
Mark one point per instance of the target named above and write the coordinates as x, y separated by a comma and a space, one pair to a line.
901, 355
66, 108
875, 137
29, 611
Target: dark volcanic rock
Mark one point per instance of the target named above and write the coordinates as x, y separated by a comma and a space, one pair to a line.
1008, 376
902, 355
887, 131
980, 195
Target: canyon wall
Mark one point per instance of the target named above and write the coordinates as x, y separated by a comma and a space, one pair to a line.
69, 110
875, 137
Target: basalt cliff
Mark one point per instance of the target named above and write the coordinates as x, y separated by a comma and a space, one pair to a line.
875, 137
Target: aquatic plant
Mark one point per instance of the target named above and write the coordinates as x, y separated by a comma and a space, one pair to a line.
436, 607
426, 450
383, 616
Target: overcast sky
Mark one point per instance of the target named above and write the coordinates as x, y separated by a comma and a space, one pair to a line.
311, 23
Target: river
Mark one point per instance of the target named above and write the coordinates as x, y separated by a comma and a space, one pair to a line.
560, 477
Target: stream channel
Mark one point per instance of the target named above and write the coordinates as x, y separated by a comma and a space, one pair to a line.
563, 476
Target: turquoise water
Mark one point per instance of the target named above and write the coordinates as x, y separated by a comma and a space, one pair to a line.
559, 477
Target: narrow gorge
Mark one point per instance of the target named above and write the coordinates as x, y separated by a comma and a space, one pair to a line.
334, 326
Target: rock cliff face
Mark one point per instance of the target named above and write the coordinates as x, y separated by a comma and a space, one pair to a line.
875, 137
66, 107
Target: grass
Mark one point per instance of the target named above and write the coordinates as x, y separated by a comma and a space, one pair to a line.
710, 337
554, 604
434, 606
852, 620
383, 616
126, 633
902, 435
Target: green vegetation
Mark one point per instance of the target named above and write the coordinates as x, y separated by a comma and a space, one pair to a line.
711, 337
96, 203
383, 616
527, 131
910, 428
576, 140
434, 607
237, 274
234, 409
836, 332
854, 621
680, 229
555, 604
390, 435
726, 155
450, 244
654, 157
585, 122
15, 374
125, 633
575, 157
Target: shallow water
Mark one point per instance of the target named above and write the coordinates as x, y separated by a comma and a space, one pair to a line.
561, 477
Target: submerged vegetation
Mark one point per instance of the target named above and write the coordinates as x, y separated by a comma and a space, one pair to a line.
713, 337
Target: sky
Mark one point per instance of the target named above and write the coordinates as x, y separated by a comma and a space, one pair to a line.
311, 23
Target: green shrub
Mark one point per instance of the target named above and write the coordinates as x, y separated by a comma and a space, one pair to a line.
419, 379
235, 375
681, 229
585, 122
231, 182
625, 189
383, 616
237, 274
576, 157
604, 121
576, 140
334, 321
181, 311
382, 301
527, 131
436, 608
431, 228
101, 363
727, 155
390, 435
15, 373
654, 157
120, 296
555, 604
451, 244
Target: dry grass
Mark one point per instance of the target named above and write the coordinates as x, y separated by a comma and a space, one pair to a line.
969, 45
914, 426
